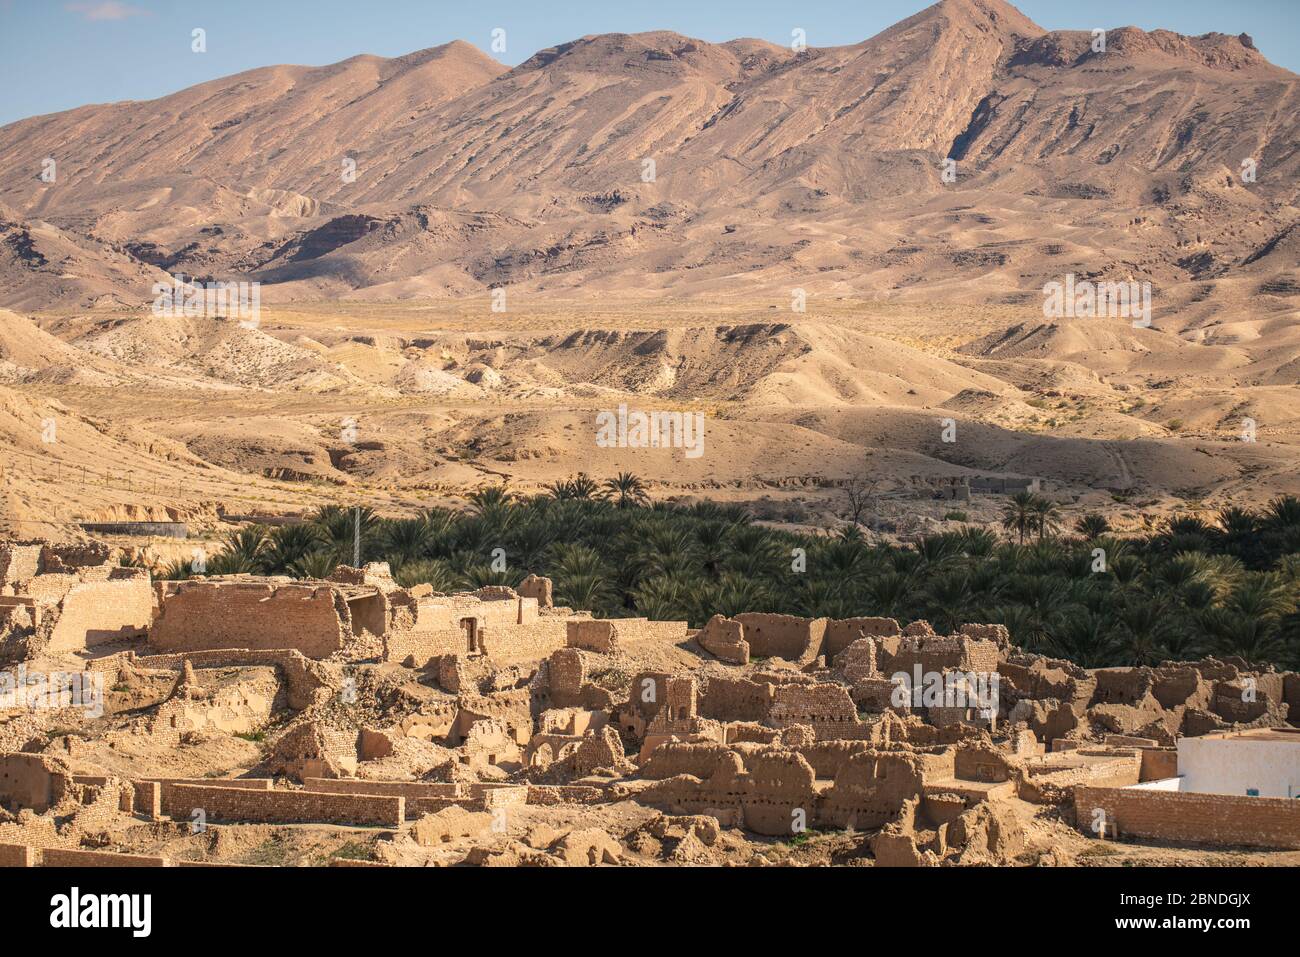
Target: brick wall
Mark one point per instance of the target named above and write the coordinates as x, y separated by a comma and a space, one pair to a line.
168, 801
421, 798
503, 643
17, 855
840, 633
66, 857
201, 615
284, 807
1193, 818
735, 699
18, 562
21, 855
783, 636
96, 612
1159, 763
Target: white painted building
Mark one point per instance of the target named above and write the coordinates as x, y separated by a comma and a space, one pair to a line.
1261, 762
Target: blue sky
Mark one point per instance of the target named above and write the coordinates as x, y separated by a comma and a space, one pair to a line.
55, 55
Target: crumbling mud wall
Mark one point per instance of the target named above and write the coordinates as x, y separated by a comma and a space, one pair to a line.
63, 599
607, 635
32, 781
840, 633
783, 636
97, 612
1211, 819
509, 629
283, 807
306, 681
210, 614
724, 639
509, 644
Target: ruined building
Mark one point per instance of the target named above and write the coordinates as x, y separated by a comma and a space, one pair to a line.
488, 727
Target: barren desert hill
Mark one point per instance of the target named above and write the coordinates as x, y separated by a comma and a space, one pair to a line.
772, 168
754, 233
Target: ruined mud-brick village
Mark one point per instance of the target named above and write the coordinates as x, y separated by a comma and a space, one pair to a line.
347, 721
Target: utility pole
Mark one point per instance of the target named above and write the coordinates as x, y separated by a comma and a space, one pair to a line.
356, 537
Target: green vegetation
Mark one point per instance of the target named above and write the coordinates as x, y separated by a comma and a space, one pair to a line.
352, 851
1230, 586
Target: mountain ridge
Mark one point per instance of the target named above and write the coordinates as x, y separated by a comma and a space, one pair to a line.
772, 167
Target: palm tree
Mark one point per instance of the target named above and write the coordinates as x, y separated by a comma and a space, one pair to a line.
1146, 630
665, 550
405, 540
1018, 515
1046, 514
317, 564
177, 570
1239, 525
1086, 638
662, 598
339, 528
581, 486
936, 549
1283, 512
490, 499
529, 543
731, 595
948, 600
821, 598
755, 550
1092, 526
714, 546
1230, 632
232, 563
435, 572
890, 593
289, 544
978, 542
1262, 596
243, 554
627, 490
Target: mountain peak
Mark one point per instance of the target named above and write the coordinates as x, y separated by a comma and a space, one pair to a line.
1001, 15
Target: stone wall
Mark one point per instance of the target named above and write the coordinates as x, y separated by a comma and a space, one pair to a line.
169, 801
69, 857
19, 561
94, 613
306, 681
32, 781
825, 707
1193, 818
505, 643
840, 633
203, 615
17, 855
783, 636
735, 699
21, 855
283, 807
941, 654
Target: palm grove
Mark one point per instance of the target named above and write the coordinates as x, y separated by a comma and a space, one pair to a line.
1230, 586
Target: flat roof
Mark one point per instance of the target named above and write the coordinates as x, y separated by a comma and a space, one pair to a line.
1258, 734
